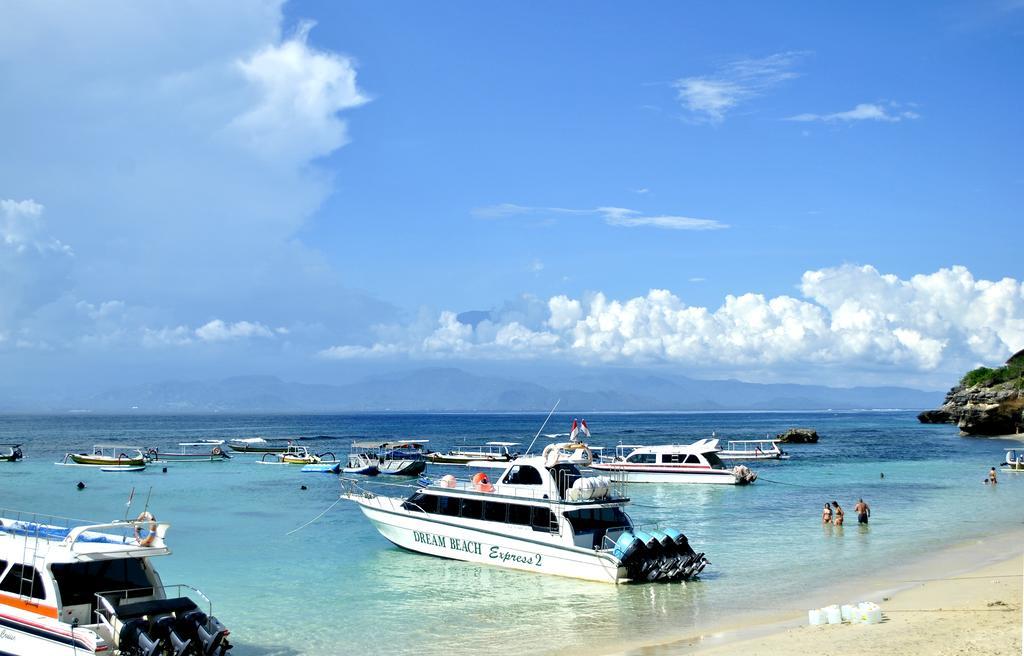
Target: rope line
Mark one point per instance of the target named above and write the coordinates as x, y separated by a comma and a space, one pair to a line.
315, 518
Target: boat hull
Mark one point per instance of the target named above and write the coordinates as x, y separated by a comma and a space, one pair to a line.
42, 637
412, 531
363, 471
105, 461
462, 459
402, 467
243, 448
664, 475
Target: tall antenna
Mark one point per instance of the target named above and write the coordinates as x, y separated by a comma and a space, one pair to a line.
543, 425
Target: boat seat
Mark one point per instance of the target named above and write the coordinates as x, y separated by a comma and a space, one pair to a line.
178, 605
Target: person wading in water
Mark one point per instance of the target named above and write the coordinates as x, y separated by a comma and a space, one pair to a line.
863, 511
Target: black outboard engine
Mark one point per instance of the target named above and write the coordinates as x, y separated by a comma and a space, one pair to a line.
134, 641
164, 628
209, 634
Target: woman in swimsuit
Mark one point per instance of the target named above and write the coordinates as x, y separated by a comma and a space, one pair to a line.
826, 514
837, 513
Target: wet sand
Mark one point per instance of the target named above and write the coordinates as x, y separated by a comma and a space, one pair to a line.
964, 600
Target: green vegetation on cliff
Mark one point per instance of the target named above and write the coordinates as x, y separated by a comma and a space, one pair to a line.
1013, 371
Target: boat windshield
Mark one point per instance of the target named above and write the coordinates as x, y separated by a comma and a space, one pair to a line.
78, 583
587, 520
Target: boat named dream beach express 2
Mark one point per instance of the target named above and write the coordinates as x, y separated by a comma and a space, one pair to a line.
70, 589
541, 515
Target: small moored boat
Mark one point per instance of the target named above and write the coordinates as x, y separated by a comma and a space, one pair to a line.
108, 455
322, 467
202, 451
541, 515
462, 455
298, 455
259, 445
362, 464
11, 453
1014, 461
69, 589
394, 458
114, 469
752, 450
675, 463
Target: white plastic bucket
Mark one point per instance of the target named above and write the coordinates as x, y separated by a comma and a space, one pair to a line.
870, 613
850, 613
834, 615
816, 617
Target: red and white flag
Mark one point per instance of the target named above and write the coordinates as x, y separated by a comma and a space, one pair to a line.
575, 430
583, 427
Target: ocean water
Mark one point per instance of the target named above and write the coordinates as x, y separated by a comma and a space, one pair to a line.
337, 587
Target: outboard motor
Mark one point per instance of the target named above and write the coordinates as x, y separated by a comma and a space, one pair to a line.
134, 640
164, 627
209, 633
625, 546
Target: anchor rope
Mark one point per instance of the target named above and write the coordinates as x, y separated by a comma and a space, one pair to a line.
337, 501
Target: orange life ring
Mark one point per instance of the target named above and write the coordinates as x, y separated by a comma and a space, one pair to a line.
145, 517
481, 483
216, 451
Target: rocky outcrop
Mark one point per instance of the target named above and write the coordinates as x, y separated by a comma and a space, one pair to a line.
981, 409
798, 436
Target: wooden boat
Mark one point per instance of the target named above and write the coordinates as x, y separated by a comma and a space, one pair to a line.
106, 455
675, 463
10, 453
298, 455
462, 455
258, 445
202, 451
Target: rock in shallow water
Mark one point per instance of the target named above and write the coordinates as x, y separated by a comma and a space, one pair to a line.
798, 436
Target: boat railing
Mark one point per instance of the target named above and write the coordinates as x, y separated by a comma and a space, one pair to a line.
108, 603
74, 533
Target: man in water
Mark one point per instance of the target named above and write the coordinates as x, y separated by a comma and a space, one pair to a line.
863, 511
992, 476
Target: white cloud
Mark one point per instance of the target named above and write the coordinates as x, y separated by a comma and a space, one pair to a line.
851, 316
621, 217
536, 266
890, 113
301, 92
709, 98
34, 267
219, 331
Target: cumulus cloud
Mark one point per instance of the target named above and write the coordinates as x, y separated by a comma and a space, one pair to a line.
849, 315
183, 175
301, 92
886, 113
709, 98
621, 217
34, 267
219, 331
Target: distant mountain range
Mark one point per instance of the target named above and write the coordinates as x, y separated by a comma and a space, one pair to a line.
455, 390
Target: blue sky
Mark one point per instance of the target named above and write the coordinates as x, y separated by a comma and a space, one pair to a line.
825, 193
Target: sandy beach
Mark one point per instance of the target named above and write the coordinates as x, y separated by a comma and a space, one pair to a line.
973, 610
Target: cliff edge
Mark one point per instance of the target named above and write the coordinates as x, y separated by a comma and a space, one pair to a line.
986, 402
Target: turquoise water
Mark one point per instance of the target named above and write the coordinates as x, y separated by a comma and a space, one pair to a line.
337, 587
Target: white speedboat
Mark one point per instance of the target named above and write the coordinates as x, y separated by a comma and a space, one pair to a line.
752, 450
675, 463
69, 590
202, 451
463, 455
1014, 461
541, 515
394, 458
